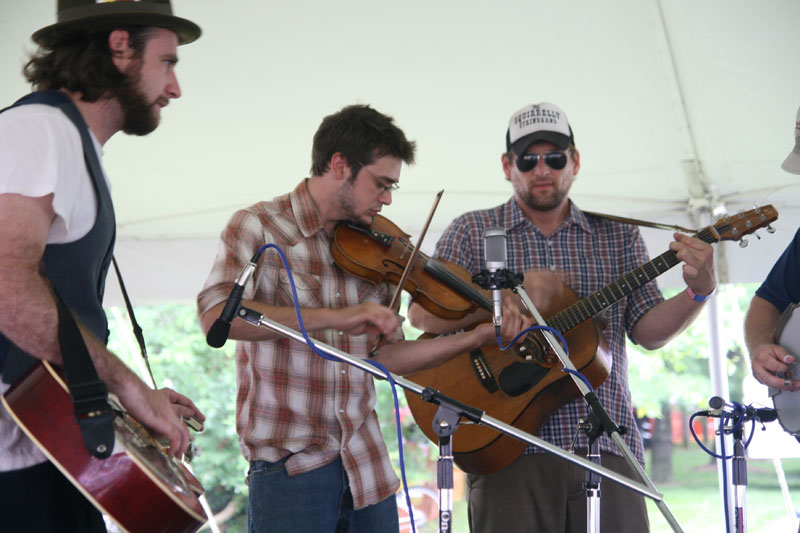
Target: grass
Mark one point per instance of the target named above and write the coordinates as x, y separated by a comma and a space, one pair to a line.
694, 499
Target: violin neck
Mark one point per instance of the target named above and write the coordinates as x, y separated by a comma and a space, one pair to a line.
465, 289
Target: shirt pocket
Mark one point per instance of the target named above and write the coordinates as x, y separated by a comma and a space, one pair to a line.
308, 289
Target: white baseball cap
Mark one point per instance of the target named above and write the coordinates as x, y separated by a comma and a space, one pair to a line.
792, 161
538, 122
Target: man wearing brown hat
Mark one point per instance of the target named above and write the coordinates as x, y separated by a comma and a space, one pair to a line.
781, 288
105, 66
548, 233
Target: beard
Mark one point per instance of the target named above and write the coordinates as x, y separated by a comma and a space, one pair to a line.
541, 202
344, 201
139, 115
546, 203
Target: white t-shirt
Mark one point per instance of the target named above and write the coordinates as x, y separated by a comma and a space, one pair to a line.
41, 153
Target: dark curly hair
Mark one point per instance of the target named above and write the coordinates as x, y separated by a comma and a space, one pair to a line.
81, 61
361, 134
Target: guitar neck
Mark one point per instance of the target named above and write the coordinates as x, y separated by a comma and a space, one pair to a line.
610, 294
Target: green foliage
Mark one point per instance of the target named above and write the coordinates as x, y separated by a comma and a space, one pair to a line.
181, 359
679, 372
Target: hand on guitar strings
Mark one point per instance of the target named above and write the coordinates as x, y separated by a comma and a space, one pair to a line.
161, 410
698, 259
515, 321
770, 365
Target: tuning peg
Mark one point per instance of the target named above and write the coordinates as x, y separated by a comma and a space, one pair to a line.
743, 243
757, 236
770, 229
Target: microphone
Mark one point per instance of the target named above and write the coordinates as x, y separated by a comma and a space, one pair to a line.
218, 333
719, 406
717, 403
763, 414
495, 255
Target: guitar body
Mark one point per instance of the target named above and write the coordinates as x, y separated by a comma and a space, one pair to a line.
528, 386
138, 486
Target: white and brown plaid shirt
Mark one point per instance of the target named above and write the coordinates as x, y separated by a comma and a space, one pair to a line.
291, 402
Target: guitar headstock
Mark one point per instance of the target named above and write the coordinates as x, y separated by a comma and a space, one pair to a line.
734, 227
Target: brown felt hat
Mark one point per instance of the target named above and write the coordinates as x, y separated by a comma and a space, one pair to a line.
98, 14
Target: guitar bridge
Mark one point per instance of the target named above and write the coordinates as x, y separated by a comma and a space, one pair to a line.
482, 371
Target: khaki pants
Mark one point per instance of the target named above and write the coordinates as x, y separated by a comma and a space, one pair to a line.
544, 493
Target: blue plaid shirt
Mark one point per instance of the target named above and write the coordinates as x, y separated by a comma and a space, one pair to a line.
589, 253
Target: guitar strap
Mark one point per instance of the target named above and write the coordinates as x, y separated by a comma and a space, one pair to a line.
637, 222
88, 392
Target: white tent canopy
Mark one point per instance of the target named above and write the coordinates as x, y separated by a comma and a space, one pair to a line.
679, 108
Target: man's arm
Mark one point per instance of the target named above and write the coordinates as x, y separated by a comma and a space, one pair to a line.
669, 318
401, 357
367, 317
405, 357
766, 357
28, 317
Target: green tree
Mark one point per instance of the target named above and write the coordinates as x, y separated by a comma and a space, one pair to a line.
181, 359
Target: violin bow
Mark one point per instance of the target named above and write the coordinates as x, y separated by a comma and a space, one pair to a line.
395, 303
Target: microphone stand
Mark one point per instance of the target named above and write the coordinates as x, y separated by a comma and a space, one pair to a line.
739, 462
739, 470
591, 398
446, 421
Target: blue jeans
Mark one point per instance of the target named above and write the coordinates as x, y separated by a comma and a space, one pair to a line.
316, 502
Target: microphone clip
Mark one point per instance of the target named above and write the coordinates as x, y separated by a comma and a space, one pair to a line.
497, 279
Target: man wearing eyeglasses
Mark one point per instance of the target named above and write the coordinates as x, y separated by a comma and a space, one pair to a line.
555, 243
307, 425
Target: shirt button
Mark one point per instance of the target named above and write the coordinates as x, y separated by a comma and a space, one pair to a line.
338, 294
341, 411
342, 371
341, 333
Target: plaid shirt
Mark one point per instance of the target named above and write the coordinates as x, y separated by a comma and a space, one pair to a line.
589, 253
292, 402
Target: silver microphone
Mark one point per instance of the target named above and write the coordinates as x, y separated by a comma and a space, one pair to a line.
495, 255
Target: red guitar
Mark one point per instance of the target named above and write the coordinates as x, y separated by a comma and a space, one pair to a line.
140, 487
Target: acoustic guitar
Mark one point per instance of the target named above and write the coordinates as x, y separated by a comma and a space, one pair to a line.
525, 385
139, 486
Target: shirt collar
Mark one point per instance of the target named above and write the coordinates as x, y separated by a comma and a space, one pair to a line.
514, 217
305, 210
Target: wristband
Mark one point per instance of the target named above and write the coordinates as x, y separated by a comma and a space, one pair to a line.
698, 297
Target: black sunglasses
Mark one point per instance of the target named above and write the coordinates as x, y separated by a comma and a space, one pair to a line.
555, 160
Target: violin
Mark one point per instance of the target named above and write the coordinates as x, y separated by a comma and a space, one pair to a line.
381, 252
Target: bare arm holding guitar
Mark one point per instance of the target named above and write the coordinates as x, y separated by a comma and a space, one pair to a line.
28, 318
669, 318
766, 357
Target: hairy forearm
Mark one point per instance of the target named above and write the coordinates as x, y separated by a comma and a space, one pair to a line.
759, 323
666, 320
29, 318
313, 319
405, 357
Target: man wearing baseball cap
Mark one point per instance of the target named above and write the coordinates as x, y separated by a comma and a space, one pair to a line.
104, 66
781, 288
557, 244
